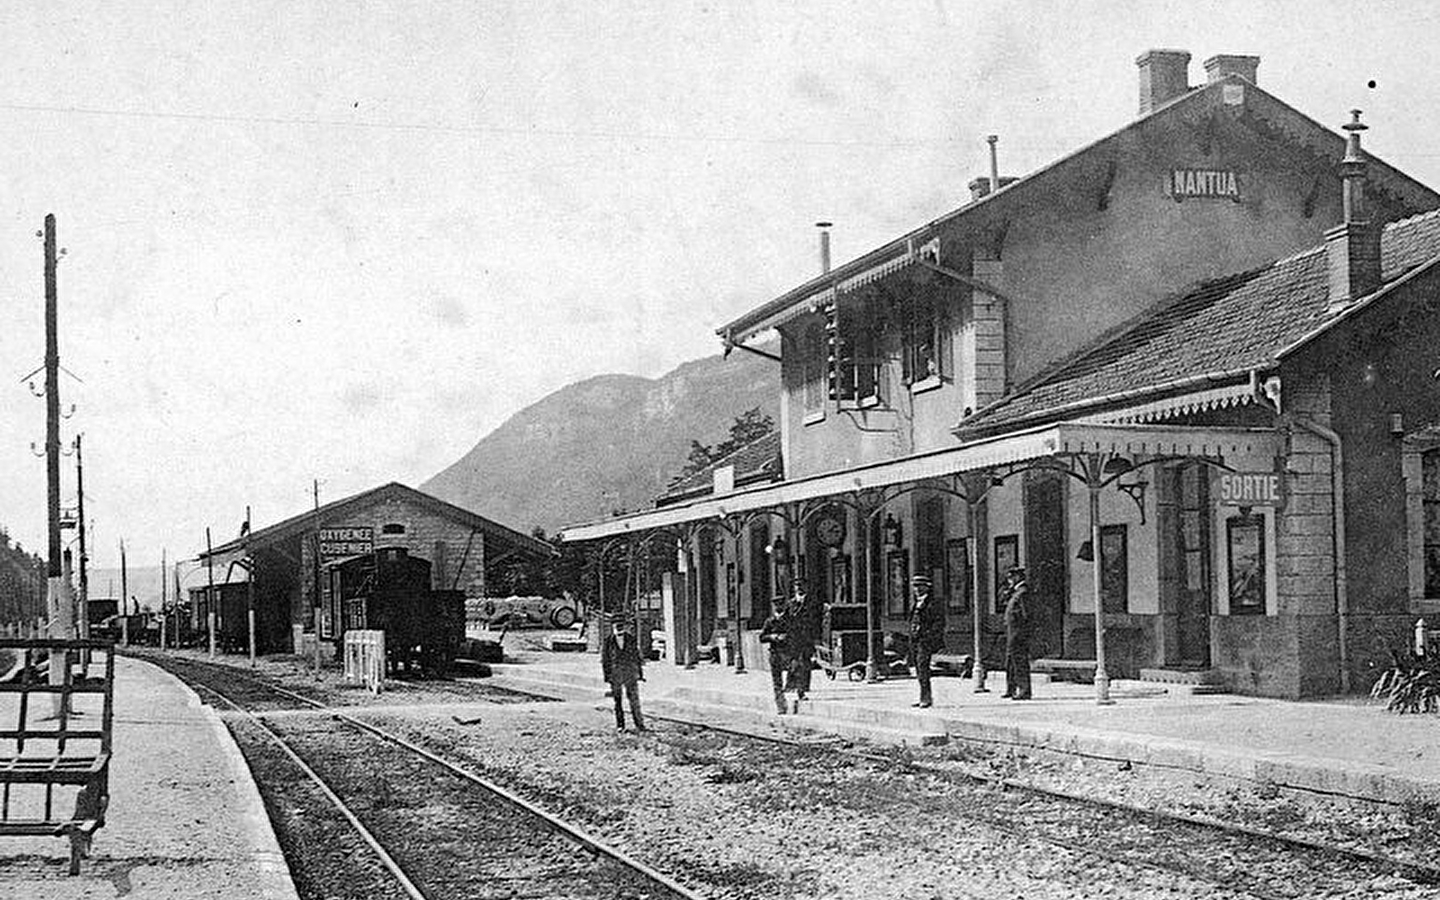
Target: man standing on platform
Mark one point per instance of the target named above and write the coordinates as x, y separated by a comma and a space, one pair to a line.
805, 624
927, 634
624, 669
775, 635
1017, 635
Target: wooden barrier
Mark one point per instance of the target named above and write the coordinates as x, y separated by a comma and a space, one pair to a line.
69, 750
365, 659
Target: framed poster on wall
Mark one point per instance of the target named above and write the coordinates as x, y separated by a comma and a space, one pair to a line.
1245, 543
897, 582
957, 574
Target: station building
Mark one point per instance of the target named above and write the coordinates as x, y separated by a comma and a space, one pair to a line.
1184, 375
292, 561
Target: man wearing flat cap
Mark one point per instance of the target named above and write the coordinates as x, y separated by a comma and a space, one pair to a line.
927, 634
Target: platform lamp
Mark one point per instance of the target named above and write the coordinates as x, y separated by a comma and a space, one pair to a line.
893, 531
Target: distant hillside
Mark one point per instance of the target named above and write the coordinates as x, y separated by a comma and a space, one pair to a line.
609, 442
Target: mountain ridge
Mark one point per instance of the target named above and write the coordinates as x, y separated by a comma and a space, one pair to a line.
604, 443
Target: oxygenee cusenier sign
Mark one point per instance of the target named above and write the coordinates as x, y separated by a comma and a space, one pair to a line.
1248, 488
338, 542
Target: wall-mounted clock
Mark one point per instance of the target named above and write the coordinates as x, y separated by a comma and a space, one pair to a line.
830, 530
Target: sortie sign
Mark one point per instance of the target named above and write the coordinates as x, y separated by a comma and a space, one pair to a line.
340, 542
1248, 488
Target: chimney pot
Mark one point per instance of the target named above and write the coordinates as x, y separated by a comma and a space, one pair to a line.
1226, 64
1164, 75
824, 246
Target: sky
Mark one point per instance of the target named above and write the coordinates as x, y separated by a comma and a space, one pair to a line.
345, 240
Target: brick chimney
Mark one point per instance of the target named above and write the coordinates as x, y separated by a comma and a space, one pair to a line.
1223, 64
1164, 75
1352, 248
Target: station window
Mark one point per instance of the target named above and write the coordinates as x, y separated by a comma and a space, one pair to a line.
392, 528
1430, 505
925, 329
1114, 569
1420, 466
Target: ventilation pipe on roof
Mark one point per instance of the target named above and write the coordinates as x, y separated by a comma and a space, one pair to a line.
1353, 247
824, 246
992, 140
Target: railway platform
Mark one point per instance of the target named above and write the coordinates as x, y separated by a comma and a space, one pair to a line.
1346, 748
185, 819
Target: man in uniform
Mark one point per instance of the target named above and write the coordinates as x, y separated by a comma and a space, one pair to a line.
1017, 635
927, 634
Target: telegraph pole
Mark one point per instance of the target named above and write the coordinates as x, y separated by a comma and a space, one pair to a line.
164, 596
210, 596
84, 560
54, 601
124, 600
250, 588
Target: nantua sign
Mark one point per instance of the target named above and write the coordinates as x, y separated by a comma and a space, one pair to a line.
1248, 488
1209, 184
341, 542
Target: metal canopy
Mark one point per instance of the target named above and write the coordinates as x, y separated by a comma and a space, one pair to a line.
1054, 441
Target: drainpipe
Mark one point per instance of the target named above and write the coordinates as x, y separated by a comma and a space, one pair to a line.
1337, 500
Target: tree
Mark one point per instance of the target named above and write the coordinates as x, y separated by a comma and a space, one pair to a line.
748, 427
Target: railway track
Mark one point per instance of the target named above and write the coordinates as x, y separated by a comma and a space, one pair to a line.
1233, 860
1229, 855
367, 813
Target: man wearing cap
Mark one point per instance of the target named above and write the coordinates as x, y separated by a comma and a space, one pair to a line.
1017, 635
927, 634
624, 669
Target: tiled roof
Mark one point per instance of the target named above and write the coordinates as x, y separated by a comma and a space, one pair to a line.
305, 521
756, 461
1220, 329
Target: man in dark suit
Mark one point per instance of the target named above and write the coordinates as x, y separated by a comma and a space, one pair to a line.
927, 634
806, 620
775, 635
624, 669
1017, 635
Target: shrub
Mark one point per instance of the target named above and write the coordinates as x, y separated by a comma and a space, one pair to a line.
1411, 685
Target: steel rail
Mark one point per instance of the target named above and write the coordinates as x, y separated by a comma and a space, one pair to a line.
1427, 873
389, 861
1422, 872
574, 832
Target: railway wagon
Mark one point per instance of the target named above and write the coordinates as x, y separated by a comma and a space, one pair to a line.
389, 590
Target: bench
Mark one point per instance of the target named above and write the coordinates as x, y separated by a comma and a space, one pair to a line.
958, 664
1080, 671
63, 744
